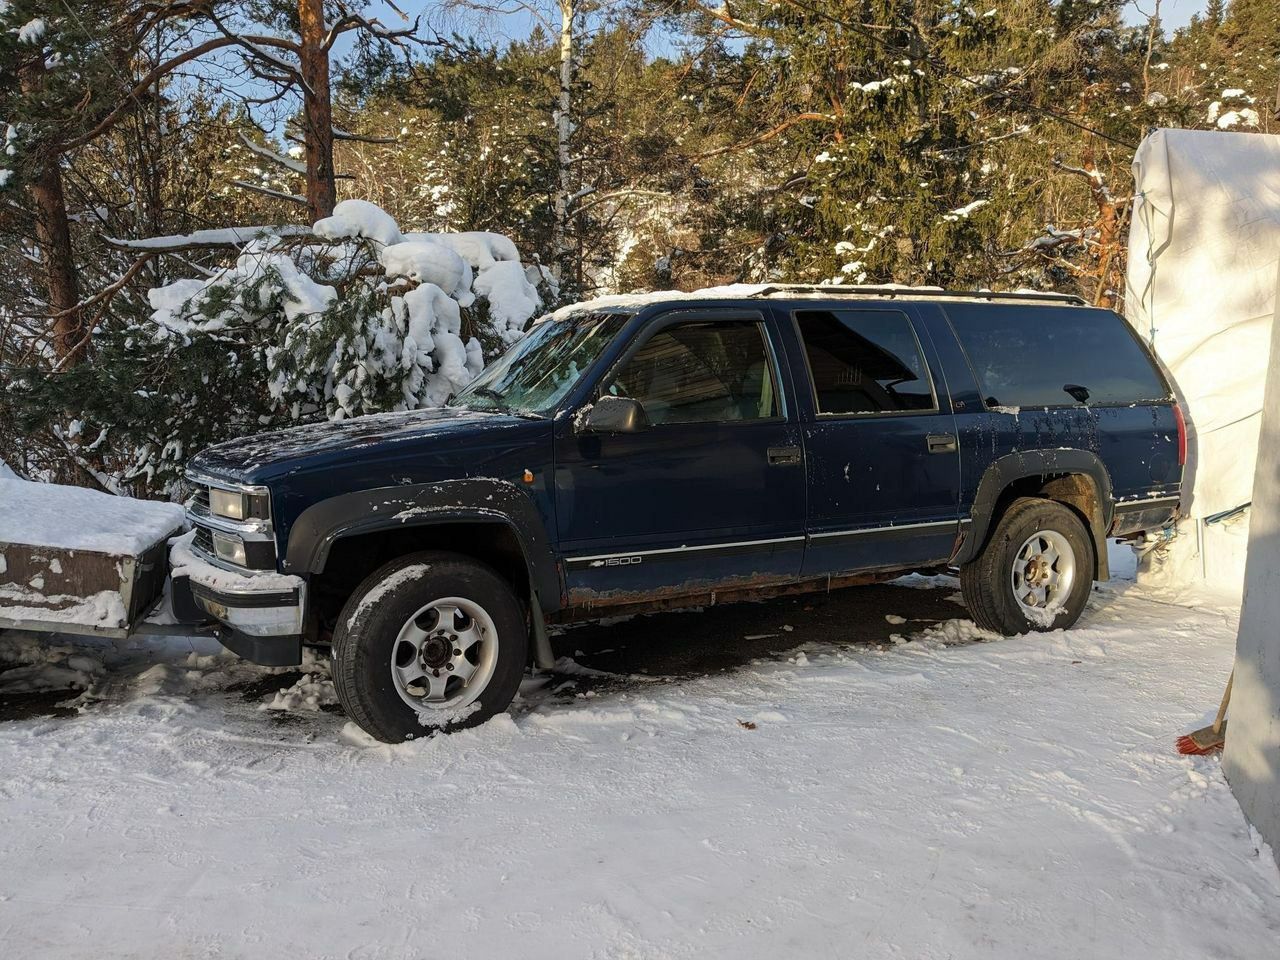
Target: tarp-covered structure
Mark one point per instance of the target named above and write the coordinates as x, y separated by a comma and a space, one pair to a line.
1204, 256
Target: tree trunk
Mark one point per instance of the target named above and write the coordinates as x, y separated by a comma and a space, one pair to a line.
1110, 252
564, 133
53, 237
317, 108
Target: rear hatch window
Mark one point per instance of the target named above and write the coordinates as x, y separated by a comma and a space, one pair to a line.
1041, 356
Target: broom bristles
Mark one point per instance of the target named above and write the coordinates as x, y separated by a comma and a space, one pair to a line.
1206, 740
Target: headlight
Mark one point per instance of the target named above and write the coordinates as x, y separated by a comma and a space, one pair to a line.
229, 548
227, 503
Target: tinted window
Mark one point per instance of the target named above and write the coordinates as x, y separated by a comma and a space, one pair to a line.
1025, 356
864, 361
700, 372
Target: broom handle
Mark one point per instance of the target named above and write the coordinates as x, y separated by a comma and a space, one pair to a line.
1226, 698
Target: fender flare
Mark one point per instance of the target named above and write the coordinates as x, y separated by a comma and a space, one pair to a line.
1040, 463
489, 501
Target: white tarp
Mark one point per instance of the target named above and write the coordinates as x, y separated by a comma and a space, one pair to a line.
1203, 252
1204, 247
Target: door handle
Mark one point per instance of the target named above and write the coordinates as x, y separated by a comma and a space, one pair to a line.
780, 456
941, 443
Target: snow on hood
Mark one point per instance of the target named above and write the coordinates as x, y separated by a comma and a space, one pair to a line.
256, 458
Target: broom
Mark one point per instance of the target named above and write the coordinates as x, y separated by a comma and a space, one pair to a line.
1211, 738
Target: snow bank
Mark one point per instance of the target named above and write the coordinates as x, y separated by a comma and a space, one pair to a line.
1204, 247
73, 518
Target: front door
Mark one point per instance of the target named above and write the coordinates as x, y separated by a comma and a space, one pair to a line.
882, 457
711, 494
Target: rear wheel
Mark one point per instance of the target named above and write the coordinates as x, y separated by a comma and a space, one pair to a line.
1034, 573
429, 642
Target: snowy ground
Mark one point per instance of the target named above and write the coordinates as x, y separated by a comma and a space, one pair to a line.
871, 782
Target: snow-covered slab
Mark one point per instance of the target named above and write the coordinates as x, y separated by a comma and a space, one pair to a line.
78, 560
74, 518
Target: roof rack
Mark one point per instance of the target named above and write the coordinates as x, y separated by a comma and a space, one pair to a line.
847, 290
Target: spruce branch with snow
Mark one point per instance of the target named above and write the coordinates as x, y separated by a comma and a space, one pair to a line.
354, 317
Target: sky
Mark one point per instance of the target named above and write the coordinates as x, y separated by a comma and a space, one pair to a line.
1174, 13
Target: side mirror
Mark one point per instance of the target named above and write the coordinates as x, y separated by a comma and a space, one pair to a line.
614, 415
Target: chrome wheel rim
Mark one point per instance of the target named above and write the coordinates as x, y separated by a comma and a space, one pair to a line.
1044, 571
444, 655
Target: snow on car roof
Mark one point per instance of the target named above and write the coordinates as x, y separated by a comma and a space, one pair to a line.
741, 291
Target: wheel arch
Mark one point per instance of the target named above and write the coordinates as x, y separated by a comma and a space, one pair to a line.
1078, 479
490, 520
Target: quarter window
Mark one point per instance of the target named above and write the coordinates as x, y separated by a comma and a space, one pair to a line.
1047, 356
701, 372
865, 361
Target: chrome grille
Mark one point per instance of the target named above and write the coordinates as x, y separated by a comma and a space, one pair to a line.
203, 541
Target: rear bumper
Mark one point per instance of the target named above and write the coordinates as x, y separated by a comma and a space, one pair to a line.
260, 616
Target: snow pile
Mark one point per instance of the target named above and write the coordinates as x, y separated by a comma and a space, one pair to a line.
1204, 257
73, 518
312, 692
358, 317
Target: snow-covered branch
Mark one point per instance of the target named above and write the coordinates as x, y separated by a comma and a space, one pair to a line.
224, 238
296, 166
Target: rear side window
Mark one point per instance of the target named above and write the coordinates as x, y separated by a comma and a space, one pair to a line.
1029, 356
865, 361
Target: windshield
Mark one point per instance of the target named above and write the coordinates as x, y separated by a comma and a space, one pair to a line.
536, 373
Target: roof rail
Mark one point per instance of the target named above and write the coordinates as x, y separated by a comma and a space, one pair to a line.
846, 290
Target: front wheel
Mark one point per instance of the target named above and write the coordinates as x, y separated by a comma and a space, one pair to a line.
1034, 573
431, 641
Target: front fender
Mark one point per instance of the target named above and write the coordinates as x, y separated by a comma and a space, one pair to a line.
422, 504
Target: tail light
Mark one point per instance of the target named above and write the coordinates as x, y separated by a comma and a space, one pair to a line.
1182, 435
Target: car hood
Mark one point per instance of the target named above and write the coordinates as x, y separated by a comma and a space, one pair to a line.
261, 457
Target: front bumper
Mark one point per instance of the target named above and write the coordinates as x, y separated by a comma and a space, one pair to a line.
260, 616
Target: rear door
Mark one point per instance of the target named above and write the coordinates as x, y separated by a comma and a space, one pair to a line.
712, 492
883, 467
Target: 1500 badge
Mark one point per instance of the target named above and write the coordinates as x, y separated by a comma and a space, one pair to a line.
618, 562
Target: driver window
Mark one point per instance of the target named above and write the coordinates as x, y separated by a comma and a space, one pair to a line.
701, 372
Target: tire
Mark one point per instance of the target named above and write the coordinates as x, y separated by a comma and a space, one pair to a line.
440, 615
1057, 589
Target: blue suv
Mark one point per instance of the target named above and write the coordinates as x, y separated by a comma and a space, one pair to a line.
691, 449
